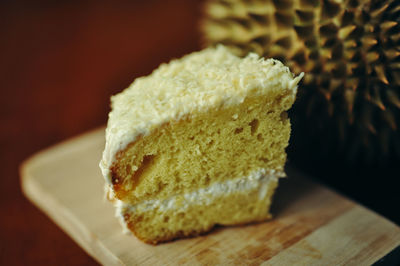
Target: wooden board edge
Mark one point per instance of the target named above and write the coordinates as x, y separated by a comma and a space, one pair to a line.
392, 258
292, 170
57, 147
65, 220
33, 190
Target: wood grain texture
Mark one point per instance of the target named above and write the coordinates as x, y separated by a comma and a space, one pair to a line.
312, 224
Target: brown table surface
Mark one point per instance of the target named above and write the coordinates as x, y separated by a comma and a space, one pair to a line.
59, 63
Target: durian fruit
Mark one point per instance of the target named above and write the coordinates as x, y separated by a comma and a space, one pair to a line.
350, 51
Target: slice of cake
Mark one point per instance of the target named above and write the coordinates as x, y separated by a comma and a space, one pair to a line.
199, 142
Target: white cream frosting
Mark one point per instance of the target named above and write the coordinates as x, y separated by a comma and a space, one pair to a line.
199, 81
257, 181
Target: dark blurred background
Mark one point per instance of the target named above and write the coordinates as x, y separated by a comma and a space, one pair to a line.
59, 63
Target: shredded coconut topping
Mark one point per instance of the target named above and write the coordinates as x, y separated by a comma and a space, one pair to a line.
207, 79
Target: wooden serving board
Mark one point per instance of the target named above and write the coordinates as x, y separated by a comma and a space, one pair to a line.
311, 224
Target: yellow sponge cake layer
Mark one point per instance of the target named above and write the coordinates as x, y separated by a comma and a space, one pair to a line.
236, 201
203, 148
205, 121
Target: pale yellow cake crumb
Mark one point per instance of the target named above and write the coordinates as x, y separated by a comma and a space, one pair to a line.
201, 141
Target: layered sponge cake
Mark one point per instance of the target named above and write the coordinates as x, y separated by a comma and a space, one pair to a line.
199, 142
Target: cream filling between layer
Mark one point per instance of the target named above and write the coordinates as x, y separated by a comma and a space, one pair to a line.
259, 179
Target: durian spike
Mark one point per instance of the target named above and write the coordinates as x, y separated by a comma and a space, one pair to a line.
335, 84
391, 54
369, 28
327, 95
380, 71
349, 44
376, 99
393, 98
395, 9
386, 26
366, 117
349, 96
395, 37
379, 12
368, 42
346, 31
372, 57
352, 83
371, 128
350, 51
395, 66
